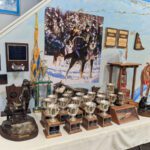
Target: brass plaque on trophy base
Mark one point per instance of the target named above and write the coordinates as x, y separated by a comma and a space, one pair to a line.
52, 129
90, 123
72, 126
104, 120
123, 114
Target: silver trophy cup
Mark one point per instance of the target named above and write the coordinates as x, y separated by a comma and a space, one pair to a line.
120, 98
100, 97
104, 106
112, 98
63, 102
90, 108
76, 100
53, 98
92, 95
72, 111
46, 102
53, 111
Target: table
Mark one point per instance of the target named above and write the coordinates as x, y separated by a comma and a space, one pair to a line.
115, 137
121, 66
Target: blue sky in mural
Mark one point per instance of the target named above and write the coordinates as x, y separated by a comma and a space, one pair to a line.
147, 0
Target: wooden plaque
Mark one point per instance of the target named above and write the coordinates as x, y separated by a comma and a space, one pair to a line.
123, 114
122, 41
110, 37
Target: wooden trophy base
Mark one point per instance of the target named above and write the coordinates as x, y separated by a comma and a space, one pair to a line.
72, 126
123, 114
63, 116
90, 123
52, 129
104, 120
44, 117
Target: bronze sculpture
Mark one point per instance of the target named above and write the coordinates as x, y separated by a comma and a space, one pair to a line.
19, 126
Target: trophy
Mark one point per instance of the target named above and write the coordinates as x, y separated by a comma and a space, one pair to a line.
104, 119
92, 95
90, 121
112, 98
63, 115
110, 89
86, 98
99, 98
100, 92
44, 117
52, 126
77, 100
120, 100
53, 98
72, 125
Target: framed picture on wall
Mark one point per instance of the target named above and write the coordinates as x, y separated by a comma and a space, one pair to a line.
122, 41
11, 7
110, 37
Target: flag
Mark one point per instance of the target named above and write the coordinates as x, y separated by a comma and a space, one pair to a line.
36, 61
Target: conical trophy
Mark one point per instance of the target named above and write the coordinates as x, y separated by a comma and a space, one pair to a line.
52, 127
63, 115
104, 119
90, 120
72, 125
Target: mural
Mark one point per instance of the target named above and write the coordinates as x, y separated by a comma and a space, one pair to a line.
73, 42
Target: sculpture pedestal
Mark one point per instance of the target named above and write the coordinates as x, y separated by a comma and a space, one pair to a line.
19, 131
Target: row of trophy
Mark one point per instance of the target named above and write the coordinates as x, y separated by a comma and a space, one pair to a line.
75, 109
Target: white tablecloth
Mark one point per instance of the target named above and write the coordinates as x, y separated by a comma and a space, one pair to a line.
115, 137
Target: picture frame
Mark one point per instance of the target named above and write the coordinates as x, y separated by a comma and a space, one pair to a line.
122, 40
11, 7
17, 57
111, 37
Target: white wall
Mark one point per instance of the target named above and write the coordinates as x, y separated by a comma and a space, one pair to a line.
25, 5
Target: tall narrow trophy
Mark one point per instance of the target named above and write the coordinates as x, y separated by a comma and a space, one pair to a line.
52, 126
78, 100
104, 119
72, 125
63, 115
90, 121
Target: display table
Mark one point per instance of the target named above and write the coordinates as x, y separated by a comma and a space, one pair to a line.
115, 137
121, 66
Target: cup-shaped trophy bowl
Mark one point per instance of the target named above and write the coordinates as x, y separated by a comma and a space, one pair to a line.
104, 106
63, 102
100, 97
100, 92
76, 100
110, 88
112, 98
80, 94
46, 102
72, 111
69, 92
92, 95
86, 98
120, 98
53, 111
53, 98
90, 108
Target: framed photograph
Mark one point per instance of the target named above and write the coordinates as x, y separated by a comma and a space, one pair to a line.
11, 7
17, 58
110, 37
122, 41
